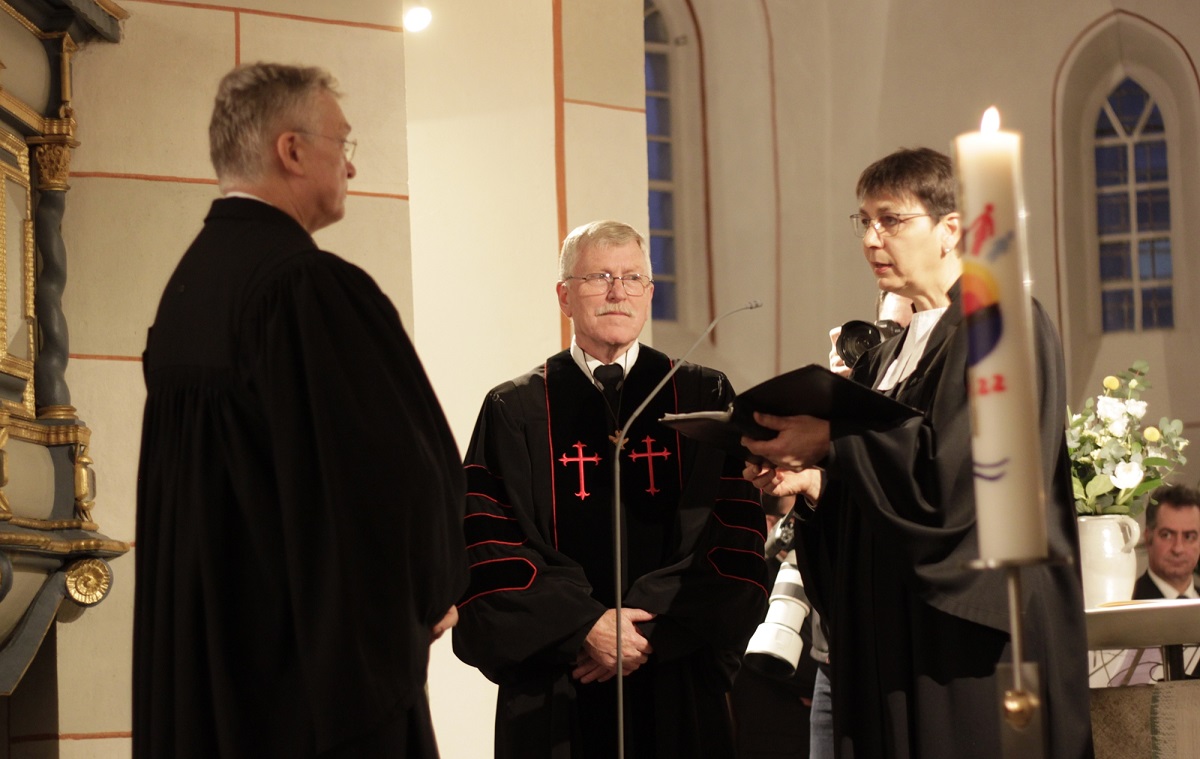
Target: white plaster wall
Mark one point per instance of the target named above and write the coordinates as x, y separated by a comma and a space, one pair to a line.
479, 89
482, 171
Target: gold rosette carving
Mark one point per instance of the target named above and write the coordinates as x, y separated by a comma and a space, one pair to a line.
88, 581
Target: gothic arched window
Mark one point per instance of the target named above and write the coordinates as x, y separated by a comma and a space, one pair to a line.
1133, 212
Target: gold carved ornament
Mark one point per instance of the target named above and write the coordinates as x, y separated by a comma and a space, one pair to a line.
52, 150
85, 483
4, 507
88, 581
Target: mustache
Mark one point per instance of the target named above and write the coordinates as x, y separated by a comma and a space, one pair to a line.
614, 308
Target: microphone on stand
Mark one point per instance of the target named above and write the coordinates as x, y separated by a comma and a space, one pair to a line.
617, 547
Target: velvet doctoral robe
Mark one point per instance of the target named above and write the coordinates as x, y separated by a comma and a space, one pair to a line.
299, 507
916, 636
539, 534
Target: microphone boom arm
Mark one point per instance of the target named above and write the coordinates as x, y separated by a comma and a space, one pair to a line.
617, 552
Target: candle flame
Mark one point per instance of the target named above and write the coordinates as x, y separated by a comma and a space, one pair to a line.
991, 121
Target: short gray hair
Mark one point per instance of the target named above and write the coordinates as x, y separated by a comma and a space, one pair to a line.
598, 234
254, 103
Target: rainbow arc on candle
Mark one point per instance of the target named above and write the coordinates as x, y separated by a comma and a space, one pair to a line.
981, 311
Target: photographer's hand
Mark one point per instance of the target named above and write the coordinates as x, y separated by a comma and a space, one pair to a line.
784, 483
836, 364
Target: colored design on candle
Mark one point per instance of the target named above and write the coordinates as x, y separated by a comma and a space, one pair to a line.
982, 229
982, 470
1000, 246
981, 310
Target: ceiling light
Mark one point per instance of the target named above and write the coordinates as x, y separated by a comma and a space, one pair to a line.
416, 18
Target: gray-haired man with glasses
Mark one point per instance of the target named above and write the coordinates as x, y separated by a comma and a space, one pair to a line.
538, 617
300, 495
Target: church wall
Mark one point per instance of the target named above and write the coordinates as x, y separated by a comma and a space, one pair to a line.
853, 81
742, 153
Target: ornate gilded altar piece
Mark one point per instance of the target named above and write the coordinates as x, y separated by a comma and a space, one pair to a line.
51, 551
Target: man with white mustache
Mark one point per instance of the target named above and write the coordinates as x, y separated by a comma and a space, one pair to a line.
538, 617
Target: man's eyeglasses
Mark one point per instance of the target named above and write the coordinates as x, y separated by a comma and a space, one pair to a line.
601, 282
348, 146
887, 224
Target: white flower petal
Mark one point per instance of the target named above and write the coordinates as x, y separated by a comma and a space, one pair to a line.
1127, 475
1109, 408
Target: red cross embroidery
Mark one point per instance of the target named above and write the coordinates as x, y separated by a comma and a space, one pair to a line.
594, 458
650, 455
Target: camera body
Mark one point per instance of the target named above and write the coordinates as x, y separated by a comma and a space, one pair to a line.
858, 337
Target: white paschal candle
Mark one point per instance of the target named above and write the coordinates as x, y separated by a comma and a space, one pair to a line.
1001, 368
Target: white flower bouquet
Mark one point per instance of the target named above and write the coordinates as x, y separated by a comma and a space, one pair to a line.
1114, 460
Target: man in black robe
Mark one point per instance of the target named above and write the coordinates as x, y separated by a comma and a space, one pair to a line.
299, 534
538, 617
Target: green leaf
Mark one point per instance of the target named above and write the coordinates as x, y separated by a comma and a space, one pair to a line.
1100, 485
1146, 485
1155, 461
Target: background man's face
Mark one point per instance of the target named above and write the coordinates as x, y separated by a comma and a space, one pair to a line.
606, 323
1173, 546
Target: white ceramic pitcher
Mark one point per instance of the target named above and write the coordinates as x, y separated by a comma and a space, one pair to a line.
1106, 544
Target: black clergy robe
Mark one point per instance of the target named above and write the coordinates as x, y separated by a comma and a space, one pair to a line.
299, 507
539, 535
915, 635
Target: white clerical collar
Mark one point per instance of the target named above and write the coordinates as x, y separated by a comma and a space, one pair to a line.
905, 363
246, 195
1168, 590
588, 364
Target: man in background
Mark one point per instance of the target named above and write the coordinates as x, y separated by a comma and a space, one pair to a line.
300, 496
1172, 544
1172, 550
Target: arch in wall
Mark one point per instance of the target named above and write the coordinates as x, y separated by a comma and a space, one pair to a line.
1117, 45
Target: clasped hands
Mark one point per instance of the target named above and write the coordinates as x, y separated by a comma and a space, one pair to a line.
597, 660
791, 456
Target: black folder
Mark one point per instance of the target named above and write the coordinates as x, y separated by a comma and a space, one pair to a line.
811, 390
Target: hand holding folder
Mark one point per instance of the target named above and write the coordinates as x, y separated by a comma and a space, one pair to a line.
810, 390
